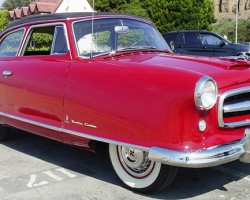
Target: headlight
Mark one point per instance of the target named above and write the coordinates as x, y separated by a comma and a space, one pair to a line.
205, 94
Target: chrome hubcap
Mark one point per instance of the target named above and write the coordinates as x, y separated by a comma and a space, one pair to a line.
135, 162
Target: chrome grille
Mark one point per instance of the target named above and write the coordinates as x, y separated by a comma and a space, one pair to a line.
234, 108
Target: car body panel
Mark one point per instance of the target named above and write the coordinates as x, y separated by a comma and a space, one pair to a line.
35, 90
132, 113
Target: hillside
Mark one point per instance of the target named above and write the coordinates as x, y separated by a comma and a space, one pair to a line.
226, 9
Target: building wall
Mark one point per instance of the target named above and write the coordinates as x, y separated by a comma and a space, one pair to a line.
74, 6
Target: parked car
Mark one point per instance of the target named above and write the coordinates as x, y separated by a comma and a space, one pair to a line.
204, 43
247, 43
111, 79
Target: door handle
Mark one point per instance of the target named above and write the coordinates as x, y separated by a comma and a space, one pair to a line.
7, 73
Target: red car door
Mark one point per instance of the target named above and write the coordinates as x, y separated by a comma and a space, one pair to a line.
34, 85
9, 46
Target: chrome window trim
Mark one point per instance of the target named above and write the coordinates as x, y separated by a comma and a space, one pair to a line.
71, 132
227, 94
33, 23
28, 33
21, 43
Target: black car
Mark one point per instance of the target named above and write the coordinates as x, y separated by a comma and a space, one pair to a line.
203, 43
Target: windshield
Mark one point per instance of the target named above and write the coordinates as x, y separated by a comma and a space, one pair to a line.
111, 35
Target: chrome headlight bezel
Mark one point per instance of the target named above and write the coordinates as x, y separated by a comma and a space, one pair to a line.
206, 93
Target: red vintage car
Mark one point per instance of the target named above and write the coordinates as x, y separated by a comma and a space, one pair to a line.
92, 78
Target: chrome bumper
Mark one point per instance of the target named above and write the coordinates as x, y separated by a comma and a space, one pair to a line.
205, 157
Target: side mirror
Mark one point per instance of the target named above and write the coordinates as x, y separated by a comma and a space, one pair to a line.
222, 44
121, 29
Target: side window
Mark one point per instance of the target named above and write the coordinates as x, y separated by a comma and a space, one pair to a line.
170, 37
192, 39
10, 44
181, 39
47, 40
59, 44
39, 41
210, 39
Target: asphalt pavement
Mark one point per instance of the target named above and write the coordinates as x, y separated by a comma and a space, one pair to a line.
36, 168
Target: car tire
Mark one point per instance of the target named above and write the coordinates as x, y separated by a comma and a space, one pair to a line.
4, 132
137, 172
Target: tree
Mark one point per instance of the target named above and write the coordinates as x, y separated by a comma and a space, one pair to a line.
170, 15
13, 4
4, 19
133, 7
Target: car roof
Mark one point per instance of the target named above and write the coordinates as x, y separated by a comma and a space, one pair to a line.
189, 31
64, 16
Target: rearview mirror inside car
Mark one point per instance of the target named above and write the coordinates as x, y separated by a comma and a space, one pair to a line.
121, 29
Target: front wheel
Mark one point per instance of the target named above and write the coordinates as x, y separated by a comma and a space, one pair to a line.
137, 172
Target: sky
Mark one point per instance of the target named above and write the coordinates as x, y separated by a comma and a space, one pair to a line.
1, 1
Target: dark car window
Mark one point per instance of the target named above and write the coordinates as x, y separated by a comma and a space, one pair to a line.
210, 39
181, 40
10, 44
190, 39
170, 37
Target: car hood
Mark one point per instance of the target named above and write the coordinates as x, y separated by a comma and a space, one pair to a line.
225, 71
240, 47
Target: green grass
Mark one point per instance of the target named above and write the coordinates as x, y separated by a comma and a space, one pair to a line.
228, 28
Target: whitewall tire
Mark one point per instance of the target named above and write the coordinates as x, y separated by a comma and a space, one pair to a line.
137, 172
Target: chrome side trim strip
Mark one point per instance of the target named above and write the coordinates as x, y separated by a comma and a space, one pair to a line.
75, 133
53, 128
97, 138
201, 158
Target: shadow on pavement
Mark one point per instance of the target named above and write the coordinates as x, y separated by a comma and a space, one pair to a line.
188, 183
